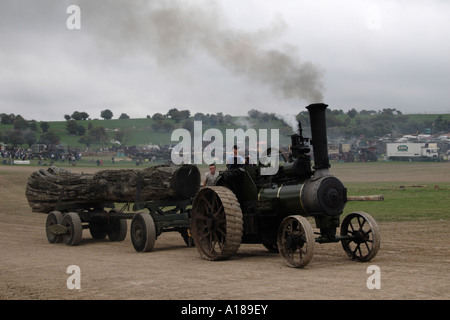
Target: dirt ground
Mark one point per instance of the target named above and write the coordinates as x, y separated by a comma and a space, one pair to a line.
414, 259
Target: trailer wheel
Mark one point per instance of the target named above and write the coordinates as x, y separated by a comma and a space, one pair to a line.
74, 227
117, 228
366, 233
216, 223
143, 232
53, 218
98, 227
296, 241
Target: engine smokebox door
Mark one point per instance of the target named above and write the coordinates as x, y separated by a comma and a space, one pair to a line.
326, 195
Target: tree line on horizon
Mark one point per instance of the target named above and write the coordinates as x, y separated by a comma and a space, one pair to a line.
346, 125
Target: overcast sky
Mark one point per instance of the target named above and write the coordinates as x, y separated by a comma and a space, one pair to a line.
143, 57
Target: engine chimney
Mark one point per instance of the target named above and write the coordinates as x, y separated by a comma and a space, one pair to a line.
319, 135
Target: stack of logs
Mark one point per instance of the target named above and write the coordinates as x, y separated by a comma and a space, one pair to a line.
48, 189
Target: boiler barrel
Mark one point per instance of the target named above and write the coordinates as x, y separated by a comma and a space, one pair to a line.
326, 195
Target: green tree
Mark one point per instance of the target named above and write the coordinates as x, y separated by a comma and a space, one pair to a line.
440, 124
77, 116
29, 137
14, 137
168, 127
178, 115
95, 135
254, 114
74, 128
228, 119
49, 138
158, 116
32, 125
352, 113
99, 135
7, 118
172, 112
199, 116
188, 124
106, 114
212, 120
84, 115
44, 126
20, 123
185, 114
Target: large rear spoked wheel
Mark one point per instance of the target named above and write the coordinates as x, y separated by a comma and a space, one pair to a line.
365, 235
216, 223
296, 241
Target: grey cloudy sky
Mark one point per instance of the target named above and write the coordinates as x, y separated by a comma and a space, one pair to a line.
142, 57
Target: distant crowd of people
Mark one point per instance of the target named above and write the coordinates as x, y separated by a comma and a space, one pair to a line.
8, 156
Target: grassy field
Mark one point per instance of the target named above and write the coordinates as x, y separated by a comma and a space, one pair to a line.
411, 190
402, 203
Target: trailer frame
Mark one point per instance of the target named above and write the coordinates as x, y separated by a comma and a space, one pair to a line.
67, 222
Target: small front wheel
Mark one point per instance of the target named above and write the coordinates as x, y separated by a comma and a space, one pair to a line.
296, 241
143, 232
365, 236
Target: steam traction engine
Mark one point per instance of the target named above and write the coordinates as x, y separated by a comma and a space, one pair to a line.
247, 207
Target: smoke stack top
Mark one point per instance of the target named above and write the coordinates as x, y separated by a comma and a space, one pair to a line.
319, 135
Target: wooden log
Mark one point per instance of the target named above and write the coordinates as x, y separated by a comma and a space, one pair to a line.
50, 188
366, 198
413, 186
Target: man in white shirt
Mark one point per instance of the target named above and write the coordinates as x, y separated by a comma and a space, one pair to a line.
211, 176
235, 161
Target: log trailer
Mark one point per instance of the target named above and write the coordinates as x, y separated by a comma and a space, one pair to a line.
156, 200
